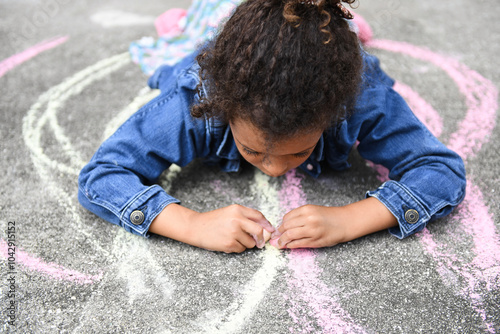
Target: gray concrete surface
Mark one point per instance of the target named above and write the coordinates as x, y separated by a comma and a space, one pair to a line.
75, 273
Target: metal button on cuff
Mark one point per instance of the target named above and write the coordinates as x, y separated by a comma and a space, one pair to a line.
411, 216
137, 217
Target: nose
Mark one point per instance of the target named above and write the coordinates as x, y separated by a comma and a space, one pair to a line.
274, 167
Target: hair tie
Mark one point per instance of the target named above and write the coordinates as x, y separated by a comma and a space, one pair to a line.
343, 12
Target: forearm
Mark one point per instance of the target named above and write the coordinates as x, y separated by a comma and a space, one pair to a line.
230, 229
175, 222
365, 217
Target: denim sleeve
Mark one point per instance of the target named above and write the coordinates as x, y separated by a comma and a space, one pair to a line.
118, 184
427, 180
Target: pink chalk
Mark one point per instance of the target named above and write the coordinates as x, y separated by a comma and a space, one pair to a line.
480, 94
305, 278
50, 269
17, 59
480, 224
473, 131
169, 23
291, 194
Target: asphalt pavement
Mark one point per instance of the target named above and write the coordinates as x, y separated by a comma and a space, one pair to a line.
66, 81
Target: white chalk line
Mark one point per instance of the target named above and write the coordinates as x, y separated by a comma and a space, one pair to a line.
136, 264
133, 257
75, 86
139, 270
35, 120
55, 99
233, 318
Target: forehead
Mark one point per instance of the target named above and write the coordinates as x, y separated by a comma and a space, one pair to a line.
247, 135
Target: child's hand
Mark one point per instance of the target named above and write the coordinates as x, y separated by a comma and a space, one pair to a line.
232, 229
311, 226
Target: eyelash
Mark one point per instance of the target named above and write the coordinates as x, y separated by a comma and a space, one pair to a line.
301, 155
297, 155
247, 151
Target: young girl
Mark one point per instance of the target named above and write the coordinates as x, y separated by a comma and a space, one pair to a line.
285, 84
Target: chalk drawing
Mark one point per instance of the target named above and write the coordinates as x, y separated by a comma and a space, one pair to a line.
137, 266
118, 18
232, 319
305, 280
17, 59
480, 94
33, 124
54, 98
473, 131
481, 98
38, 119
52, 270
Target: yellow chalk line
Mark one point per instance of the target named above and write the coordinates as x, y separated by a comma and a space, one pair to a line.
233, 319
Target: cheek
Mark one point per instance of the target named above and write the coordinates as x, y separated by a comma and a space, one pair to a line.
256, 161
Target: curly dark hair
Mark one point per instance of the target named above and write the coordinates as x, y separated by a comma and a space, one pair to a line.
287, 66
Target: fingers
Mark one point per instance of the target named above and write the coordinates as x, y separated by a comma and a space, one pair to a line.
292, 235
295, 230
256, 231
259, 218
256, 225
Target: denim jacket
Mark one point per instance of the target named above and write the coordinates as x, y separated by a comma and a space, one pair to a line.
427, 180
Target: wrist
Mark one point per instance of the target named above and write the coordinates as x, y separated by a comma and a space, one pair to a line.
367, 216
175, 222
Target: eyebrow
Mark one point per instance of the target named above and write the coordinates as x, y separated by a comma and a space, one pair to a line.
251, 149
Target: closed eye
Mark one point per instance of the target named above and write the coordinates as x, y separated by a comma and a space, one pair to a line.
301, 154
250, 152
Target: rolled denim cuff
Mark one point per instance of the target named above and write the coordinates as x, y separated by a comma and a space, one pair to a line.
403, 204
140, 212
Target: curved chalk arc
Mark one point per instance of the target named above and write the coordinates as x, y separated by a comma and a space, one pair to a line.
474, 130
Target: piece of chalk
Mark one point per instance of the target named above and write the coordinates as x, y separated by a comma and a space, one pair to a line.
267, 236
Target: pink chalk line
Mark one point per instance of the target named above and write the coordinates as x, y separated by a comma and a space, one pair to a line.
50, 269
330, 316
481, 99
480, 94
13, 61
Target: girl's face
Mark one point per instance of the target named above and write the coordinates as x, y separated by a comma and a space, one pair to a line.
278, 158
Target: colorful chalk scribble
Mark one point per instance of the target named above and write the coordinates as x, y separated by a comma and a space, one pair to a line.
304, 280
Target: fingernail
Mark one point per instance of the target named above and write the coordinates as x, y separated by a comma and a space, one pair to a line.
274, 243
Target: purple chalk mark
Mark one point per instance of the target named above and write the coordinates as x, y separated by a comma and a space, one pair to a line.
474, 130
19, 58
317, 295
50, 269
